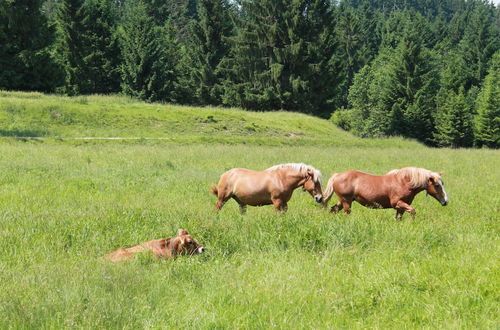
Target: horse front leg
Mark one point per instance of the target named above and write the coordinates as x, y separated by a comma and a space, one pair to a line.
336, 208
401, 207
243, 206
279, 205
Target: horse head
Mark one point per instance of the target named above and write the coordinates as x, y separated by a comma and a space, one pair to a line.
313, 186
435, 188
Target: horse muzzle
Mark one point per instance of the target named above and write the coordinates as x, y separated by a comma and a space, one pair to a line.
318, 199
444, 203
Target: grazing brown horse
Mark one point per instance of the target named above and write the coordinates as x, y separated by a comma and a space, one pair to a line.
396, 189
272, 186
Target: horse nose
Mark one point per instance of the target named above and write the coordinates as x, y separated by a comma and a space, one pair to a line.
201, 249
444, 203
318, 199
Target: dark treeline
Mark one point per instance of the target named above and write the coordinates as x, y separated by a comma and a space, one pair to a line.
424, 69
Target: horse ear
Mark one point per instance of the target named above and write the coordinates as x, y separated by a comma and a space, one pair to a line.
181, 232
310, 173
441, 173
432, 180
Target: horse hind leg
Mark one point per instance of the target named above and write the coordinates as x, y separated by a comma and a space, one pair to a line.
346, 205
222, 198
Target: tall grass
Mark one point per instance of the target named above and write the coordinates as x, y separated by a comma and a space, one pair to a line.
64, 205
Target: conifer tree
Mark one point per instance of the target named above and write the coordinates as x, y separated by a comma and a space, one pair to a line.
208, 47
395, 95
481, 39
487, 119
454, 121
150, 56
69, 45
88, 46
26, 39
280, 57
101, 50
357, 34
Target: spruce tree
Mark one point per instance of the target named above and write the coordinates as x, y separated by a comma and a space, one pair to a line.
481, 39
208, 47
101, 52
150, 56
358, 40
487, 119
69, 44
26, 38
395, 95
454, 121
88, 46
280, 57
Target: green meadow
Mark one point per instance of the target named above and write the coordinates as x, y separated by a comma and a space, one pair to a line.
66, 202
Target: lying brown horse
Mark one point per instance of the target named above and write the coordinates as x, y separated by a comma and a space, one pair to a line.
164, 248
272, 186
396, 189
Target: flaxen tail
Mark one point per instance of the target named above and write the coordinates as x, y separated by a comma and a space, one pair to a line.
327, 195
213, 190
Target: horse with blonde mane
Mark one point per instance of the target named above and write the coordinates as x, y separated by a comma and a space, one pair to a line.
272, 186
396, 189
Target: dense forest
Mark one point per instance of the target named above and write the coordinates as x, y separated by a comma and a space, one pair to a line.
424, 69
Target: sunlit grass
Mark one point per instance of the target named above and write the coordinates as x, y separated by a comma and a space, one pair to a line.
53, 116
66, 205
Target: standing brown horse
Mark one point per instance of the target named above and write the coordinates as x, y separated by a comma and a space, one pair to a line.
272, 186
396, 189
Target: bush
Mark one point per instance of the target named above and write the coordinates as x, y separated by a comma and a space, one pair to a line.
342, 118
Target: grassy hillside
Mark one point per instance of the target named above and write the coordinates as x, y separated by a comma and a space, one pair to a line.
66, 204
35, 114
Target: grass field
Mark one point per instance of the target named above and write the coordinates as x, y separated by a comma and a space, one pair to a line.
65, 203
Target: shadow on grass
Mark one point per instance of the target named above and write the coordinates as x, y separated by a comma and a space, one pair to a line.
22, 133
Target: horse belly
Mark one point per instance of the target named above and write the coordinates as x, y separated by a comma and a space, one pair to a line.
253, 198
375, 202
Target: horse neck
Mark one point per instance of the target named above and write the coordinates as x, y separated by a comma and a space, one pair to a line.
294, 180
408, 192
414, 190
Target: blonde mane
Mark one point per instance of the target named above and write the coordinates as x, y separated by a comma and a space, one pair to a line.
418, 177
300, 167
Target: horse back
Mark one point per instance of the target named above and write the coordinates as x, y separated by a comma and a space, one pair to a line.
359, 182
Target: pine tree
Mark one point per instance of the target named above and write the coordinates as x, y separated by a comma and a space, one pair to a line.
179, 12
280, 57
150, 56
208, 47
454, 121
487, 119
101, 52
25, 39
395, 95
481, 39
88, 46
357, 34
69, 45
413, 87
